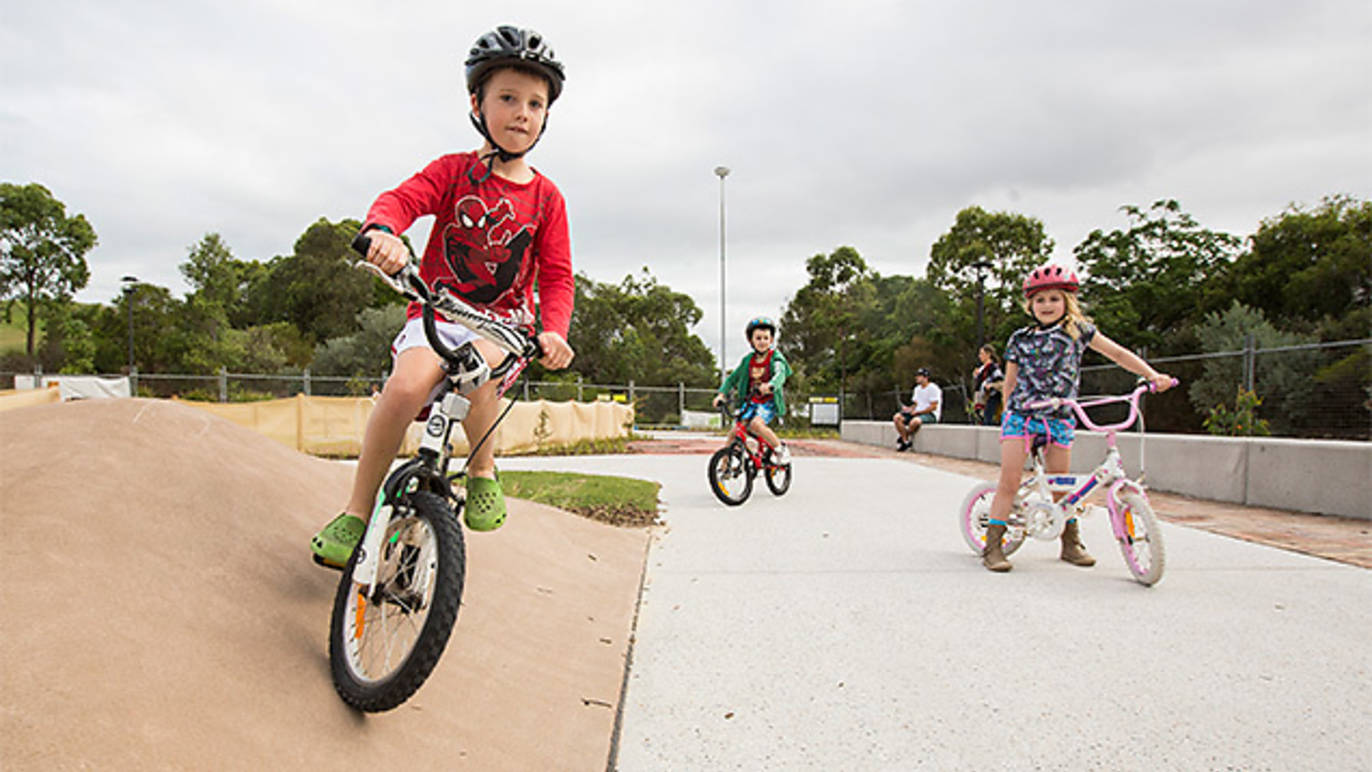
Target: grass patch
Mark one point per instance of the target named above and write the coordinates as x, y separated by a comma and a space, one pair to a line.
615, 500
600, 447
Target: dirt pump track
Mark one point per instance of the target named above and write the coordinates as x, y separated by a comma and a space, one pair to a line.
160, 610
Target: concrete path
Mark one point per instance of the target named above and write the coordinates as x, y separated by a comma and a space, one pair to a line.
847, 626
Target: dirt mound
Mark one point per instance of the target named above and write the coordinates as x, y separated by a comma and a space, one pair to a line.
159, 609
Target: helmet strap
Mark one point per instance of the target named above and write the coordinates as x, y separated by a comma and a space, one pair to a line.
505, 156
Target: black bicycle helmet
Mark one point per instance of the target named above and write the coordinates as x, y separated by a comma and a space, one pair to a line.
508, 46
761, 322
505, 46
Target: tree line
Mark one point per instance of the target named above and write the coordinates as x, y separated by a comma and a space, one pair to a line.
1163, 284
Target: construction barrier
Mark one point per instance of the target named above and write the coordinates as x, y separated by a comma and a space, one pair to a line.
333, 426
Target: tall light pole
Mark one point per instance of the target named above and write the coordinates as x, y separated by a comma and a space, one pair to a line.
981, 265
722, 171
129, 283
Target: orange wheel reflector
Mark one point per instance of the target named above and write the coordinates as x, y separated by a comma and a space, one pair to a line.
361, 615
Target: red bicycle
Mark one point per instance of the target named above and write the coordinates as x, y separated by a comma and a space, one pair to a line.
733, 467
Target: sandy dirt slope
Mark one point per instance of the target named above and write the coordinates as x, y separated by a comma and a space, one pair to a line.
159, 610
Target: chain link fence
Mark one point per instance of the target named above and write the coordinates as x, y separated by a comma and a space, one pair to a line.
1314, 391
1318, 390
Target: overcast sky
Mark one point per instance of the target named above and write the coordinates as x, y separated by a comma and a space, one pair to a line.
868, 123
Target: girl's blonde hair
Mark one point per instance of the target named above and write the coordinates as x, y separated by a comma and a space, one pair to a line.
1072, 319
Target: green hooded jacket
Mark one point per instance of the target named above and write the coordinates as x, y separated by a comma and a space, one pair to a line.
737, 382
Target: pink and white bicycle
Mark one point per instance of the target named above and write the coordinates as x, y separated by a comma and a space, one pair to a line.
1036, 513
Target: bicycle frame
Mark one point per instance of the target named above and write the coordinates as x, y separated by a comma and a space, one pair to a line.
1050, 499
466, 371
740, 435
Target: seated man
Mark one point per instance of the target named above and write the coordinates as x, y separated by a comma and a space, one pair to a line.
927, 399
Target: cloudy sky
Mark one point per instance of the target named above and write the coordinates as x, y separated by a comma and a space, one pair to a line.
868, 123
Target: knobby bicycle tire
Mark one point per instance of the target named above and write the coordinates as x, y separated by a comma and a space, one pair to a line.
778, 477
390, 689
735, 465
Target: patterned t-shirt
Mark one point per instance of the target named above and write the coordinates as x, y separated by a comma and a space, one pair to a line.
760, 372
1049, 364
491, 243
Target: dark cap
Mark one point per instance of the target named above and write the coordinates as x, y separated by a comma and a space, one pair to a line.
924, 371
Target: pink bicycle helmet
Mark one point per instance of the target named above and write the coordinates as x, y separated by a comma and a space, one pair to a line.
1050, 277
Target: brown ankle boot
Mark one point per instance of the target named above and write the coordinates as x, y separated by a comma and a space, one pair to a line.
993, 556
1073, 551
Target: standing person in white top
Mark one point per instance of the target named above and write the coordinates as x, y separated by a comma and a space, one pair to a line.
927, 407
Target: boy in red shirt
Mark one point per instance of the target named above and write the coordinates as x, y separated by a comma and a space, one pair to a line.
500, 228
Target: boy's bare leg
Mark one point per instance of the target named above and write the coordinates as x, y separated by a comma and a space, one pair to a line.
417, 370
481, 417
761, 429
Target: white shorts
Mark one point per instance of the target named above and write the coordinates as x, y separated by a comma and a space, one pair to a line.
451, 334
412, 335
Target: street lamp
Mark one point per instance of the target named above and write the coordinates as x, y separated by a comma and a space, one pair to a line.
129, 283
722, 171
980, 265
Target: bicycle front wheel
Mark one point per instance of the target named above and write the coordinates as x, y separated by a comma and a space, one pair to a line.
730, 477
1140, 538
385, 641
778, 477
975, 516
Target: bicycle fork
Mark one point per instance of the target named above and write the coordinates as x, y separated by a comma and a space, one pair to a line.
434, 445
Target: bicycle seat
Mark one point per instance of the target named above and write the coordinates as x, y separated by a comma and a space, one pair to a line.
1040, 442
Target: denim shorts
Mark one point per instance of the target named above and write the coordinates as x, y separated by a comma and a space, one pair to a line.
767, 411
1060, 431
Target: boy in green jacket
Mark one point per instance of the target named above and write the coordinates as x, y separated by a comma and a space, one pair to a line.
756, 383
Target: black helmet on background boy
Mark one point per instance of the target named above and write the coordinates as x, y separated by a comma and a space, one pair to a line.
760, 323
505, 46
523, 49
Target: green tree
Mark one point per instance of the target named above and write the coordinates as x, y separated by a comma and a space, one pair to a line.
820, 326
1012, 245
1145, 282
1283, 380
365, 353
42, 250
316, 288
1307, 267
638, 330
68, 344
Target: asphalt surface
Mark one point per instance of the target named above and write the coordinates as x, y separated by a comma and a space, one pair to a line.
846, 625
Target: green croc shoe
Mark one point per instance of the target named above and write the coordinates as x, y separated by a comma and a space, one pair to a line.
334, 543
485, 503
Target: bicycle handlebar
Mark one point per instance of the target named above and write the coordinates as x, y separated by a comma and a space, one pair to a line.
1079, 407
724, 405
408, 283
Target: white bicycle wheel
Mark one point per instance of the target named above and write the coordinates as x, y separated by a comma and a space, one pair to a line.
974, 517
1140, 538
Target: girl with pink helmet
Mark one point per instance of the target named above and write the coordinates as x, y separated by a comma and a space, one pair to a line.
1042, 361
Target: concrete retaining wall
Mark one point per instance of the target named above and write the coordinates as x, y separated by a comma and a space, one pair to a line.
1323, 476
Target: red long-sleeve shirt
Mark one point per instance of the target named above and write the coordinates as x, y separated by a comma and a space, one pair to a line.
491, 242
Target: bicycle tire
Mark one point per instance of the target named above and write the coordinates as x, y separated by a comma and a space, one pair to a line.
729, 466
427, 527
973, 516
778, 477
1141, 539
